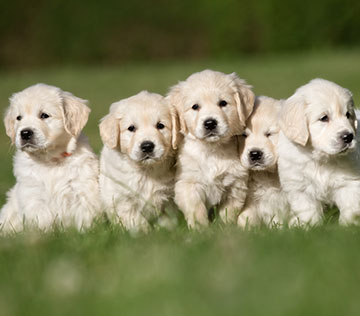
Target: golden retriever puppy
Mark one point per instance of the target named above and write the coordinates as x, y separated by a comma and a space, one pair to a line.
137, 161
56, 171
265, 202
212, 108
318, 153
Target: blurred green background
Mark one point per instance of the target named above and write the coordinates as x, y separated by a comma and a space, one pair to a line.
107, 50
42, 32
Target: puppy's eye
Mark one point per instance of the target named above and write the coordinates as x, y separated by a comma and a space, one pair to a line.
268, 134
195, 107
348, 115
44, 116
160, 125
222, 103
324, 118
131, 128
19, 118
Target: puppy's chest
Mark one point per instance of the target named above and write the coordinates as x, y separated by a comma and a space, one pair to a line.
51, 181
263, 185
219, 177
149, 187
219, 171
325, 178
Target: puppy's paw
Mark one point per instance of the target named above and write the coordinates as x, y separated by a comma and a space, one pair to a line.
229, 214
306, 220
246, 219
348, 218
198, 220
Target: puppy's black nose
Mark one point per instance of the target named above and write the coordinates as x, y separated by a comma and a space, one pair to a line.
26, 134
255, 155
210, 124
347, 137
147, 147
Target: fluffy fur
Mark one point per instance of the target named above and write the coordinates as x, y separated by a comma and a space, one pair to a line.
55, 169
318, 153
212, 108
265, 201
137, 181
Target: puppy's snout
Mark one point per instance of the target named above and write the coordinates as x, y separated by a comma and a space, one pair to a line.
26, 134
255, 155
347, 137
147, 147
210, 124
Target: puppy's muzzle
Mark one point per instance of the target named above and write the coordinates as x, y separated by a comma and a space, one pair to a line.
147, 147
210, 124
255, 156
347, 137
26, 134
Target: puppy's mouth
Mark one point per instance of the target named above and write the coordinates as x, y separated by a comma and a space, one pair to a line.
148, 159
258, 166
346, 149
29, 146
212, 137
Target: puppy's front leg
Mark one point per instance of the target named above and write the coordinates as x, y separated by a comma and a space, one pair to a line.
305, 210
349, 216
10, 219
133, 220
190, 198
229, 211
234, 202
348, 202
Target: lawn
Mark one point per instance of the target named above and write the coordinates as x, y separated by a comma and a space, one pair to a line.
221, 271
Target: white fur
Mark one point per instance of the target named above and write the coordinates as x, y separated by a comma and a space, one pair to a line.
56, 171
137, 189
208, 169
315, 166
265, 202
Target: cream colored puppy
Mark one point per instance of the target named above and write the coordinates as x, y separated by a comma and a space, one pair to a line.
265, 202
137, 162
212, 108
318, 153
55, 169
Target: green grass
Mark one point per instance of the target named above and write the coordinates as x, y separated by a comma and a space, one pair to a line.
221, 271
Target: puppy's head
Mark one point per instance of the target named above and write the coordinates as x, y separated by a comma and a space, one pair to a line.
143, 126
261, 135
320, 114
44, 117
212, 106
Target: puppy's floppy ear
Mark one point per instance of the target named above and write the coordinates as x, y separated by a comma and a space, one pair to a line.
356, 122
175, 128
244, 97
10, 124
293, 119
110, 131
75, 113
354, 113
176, 100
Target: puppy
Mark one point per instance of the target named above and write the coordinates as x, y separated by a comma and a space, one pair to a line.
137, 161
55, 169
265, 201
318, 153
212, 108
